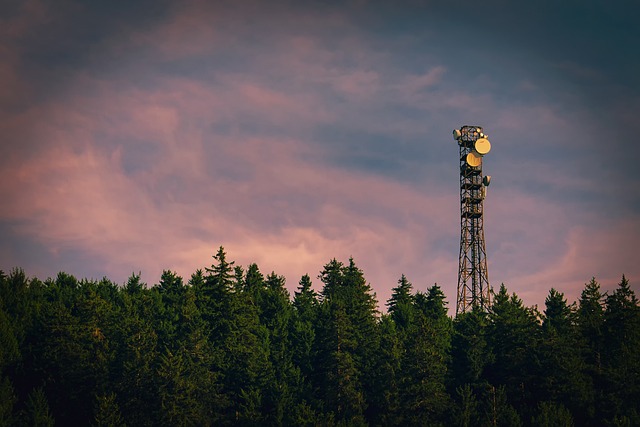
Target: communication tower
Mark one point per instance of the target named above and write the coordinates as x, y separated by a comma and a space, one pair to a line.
473, 277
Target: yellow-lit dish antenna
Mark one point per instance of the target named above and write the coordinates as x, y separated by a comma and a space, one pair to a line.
473, 159
482, 146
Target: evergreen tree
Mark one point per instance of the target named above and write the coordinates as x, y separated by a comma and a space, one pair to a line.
276, 314
172, 291
232, 318
622, 353
470, 352
37, 411
498, 411
7, 401
562, 373
134, 285
514, 336
385, 406
303, 338
254, 281
181, 401
424, 366
341, 388
107, 412
305, 300
552, 414
590, 323
137, 362
466, 409
401, 304
347, 341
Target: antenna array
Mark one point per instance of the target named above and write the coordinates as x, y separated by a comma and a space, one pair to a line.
473, 277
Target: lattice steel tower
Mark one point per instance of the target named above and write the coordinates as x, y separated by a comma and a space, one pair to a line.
473, 277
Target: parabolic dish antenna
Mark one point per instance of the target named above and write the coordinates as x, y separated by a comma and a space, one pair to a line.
482, 146
473, 159
456, 134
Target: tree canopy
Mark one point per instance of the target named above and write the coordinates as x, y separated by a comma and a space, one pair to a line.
231, 346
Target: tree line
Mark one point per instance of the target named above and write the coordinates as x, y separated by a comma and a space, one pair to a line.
230, 346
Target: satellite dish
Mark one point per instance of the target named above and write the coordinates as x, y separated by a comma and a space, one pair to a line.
486, 180
482, 146
473, 159
456, 134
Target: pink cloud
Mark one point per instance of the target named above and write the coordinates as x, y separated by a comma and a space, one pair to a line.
157, 175
74, 192
605, 253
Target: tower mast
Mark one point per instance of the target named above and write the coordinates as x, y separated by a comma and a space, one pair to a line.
473, 277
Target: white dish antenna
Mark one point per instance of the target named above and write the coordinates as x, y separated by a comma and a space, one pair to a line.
457, 134
482, 146
486, 180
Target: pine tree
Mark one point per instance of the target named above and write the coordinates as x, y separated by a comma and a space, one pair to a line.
347, 341
401, 304
172, 292
305, 300
514, 336
552, 414
470, 352
37, 411
424, 368
498, 411
233, 320
7, 402
303, 336
385, 406
465, 412
562, 374
276, 314
137, 362
622, 353
181, 402
107, 412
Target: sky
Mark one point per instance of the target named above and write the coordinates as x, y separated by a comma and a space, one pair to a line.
140, 136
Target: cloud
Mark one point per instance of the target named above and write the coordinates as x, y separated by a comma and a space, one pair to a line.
292, 135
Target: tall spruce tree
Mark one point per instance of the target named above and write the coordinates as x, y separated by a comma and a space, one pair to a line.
562, 375
622, 353
514, 336
424, 367
470, 352
347, 341
303, 336
401, 306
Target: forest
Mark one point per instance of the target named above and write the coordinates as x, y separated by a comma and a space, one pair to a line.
231, 346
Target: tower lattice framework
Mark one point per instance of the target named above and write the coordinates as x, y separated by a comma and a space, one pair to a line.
473, 275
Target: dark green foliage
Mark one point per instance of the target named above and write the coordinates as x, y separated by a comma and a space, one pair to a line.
470, 353
401, 304
107, 412
37, 412
232, 347
498, 410
563, 373
7, 402
621, 353
513, 337
424, 369
465, 411
552, 414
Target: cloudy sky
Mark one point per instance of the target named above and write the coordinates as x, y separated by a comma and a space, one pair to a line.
137, 136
